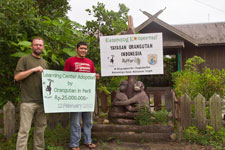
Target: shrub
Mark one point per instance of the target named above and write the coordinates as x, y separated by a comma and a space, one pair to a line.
193, 81
207, 136
145, 117
160, 116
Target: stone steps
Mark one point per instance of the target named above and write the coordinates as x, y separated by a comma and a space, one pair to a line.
133, 133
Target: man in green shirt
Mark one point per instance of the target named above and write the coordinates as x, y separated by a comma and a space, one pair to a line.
28, 72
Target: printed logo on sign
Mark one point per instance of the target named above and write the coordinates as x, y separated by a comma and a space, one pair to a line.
152, 59
111, 60
129, 61
48, 88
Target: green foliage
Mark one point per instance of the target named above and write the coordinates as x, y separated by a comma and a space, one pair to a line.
192, 63
54, 148
59, 137
55, 139
15, 18
191, 134
109, 84
146, 117
186, 82
192, 81
104, 146
53, 8
213, 81
161, 80
208, 136
20, 20
7, 144
104, 89
106, 22
61, 35
160, 116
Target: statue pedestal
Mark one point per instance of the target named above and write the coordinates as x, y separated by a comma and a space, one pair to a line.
132, 133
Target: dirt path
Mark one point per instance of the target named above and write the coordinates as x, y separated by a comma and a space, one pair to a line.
148, 146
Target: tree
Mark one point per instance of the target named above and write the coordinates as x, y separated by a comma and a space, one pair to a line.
53, 8
20, 20
107, 22
14, 18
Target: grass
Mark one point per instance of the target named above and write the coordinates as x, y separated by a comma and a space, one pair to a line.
56, 139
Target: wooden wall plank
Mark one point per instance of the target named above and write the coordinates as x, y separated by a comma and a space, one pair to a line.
215, 112
185, 111
200, 111
9, 119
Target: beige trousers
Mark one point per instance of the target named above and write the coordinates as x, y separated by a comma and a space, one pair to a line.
29, 112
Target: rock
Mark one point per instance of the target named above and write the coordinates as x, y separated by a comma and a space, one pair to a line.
173, 136
105, 121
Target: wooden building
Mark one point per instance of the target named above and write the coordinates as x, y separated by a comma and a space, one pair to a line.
206, 40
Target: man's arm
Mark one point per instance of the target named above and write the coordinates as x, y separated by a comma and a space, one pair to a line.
24, 74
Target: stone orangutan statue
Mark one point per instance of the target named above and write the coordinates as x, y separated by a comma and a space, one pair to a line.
124, 109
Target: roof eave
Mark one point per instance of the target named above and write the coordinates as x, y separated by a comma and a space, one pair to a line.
168, 27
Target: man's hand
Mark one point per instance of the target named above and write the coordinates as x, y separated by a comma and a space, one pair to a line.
38, 69
97, 75
25, 74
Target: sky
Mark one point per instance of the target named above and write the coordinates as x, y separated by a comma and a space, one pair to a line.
176, 12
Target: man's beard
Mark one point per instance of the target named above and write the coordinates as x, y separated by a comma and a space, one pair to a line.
37, 52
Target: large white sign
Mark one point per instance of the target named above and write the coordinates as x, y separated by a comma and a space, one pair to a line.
134, 54
65, 91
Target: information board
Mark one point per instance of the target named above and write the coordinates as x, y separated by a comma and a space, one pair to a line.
65, 91
133, 54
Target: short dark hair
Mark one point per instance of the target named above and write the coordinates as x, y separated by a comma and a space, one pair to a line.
82, 43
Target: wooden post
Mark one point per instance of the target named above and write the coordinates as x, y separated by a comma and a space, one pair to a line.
131, 79
96, 104
104, 102
215, 112
169, 100
9, 120
200, 114
65, 119
53, 119
157, 100
113, 94
174, 101
179, 125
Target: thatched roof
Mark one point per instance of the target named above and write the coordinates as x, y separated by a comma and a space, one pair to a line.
205, 33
